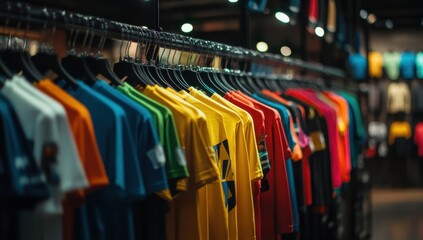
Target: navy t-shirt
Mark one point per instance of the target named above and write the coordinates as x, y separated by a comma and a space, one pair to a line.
21, 180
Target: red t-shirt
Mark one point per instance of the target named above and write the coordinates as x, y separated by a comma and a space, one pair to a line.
276, 212
330, 117
418, 139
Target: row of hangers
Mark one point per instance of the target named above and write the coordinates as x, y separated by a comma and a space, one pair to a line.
152, 63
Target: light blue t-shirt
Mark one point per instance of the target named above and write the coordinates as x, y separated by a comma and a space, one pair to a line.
358, 66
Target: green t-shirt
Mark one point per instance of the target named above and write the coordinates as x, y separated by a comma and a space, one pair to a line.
391, 63
168, 136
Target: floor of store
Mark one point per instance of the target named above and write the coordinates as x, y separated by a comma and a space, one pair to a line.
397, 214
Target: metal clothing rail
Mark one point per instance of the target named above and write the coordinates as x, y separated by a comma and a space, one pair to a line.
30, 16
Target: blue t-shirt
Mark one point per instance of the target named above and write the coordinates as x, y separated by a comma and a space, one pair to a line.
284, 113
407, 65
256, 5
294, 5
21, 180
144, 136
108, 210
358, 66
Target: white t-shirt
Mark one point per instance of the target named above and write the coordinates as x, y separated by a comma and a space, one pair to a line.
45, 123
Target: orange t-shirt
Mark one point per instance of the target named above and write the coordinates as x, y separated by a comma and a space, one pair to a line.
83, 133
344, 133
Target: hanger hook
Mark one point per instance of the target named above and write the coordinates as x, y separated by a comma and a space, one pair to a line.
76, 34
103, 40
160, 35
121, 42
90, 42
128, 44
138, 30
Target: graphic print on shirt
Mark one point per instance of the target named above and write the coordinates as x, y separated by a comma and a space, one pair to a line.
228, 179
262, 150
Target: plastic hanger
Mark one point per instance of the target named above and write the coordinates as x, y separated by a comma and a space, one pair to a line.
208, 77
100, 65
126, 69
75, 65
46, 60
16, 59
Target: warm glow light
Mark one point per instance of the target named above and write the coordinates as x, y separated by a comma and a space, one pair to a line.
320, 32
282, 17
187, 27
262, 47
286, 51
371, 18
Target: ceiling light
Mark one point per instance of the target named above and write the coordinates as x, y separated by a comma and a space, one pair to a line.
389, 24
286, 51
282, 17
363, 14
262, 47
233, 1
371, 18
319, 31
187, 27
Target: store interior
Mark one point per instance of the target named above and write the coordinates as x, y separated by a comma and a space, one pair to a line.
364, 57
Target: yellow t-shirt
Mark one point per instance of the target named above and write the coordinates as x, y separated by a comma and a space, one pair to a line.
247, 158
228, 153
184, 221
375, 64
213, 209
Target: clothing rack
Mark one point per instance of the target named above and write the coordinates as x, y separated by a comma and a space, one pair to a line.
28, 15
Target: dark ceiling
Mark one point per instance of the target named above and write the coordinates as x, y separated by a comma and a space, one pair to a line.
403, 13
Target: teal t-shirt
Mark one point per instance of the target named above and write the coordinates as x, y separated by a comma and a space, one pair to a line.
419, 65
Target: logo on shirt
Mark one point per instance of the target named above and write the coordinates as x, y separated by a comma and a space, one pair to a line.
228, 177
49, 162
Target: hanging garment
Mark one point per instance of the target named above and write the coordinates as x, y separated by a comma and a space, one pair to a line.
398, 98
418, 138
408, 65
358, 65
55, 152
276, 211
83, 132
376, 63
194, 135
399, 138
419, 65
391, 64
123, 169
